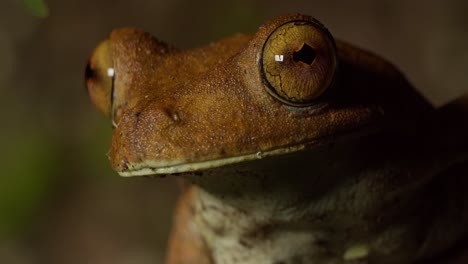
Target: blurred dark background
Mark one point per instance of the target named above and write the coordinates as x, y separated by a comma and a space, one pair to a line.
60, 202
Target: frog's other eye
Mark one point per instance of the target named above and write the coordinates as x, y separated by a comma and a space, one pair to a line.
298, 62
99, 76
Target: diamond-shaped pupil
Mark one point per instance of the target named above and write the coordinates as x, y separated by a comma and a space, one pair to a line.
306, 54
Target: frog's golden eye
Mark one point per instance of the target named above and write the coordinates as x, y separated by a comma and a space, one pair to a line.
298, 62
99, 76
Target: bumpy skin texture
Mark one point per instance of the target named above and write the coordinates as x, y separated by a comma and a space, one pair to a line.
208, 103
397, 190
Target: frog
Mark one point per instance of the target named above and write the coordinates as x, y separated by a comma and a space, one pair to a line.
293, 147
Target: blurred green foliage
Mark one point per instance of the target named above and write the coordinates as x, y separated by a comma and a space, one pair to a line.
37, 8
29, 171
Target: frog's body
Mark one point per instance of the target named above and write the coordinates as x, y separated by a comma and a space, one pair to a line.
301, 149
251, 216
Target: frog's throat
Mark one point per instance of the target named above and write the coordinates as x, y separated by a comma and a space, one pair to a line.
151, 167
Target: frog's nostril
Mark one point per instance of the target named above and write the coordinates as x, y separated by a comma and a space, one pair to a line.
306, 54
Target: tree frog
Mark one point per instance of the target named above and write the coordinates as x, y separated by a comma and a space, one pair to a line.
295, 147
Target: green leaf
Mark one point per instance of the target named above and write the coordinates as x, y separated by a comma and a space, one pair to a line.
36, 7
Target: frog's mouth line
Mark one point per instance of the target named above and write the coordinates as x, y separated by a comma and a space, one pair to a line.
157, 167
152, 167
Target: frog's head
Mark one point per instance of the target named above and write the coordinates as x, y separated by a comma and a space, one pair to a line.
288, 87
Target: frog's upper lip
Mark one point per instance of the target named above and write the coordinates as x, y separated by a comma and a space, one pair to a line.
158, 167
152, 167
